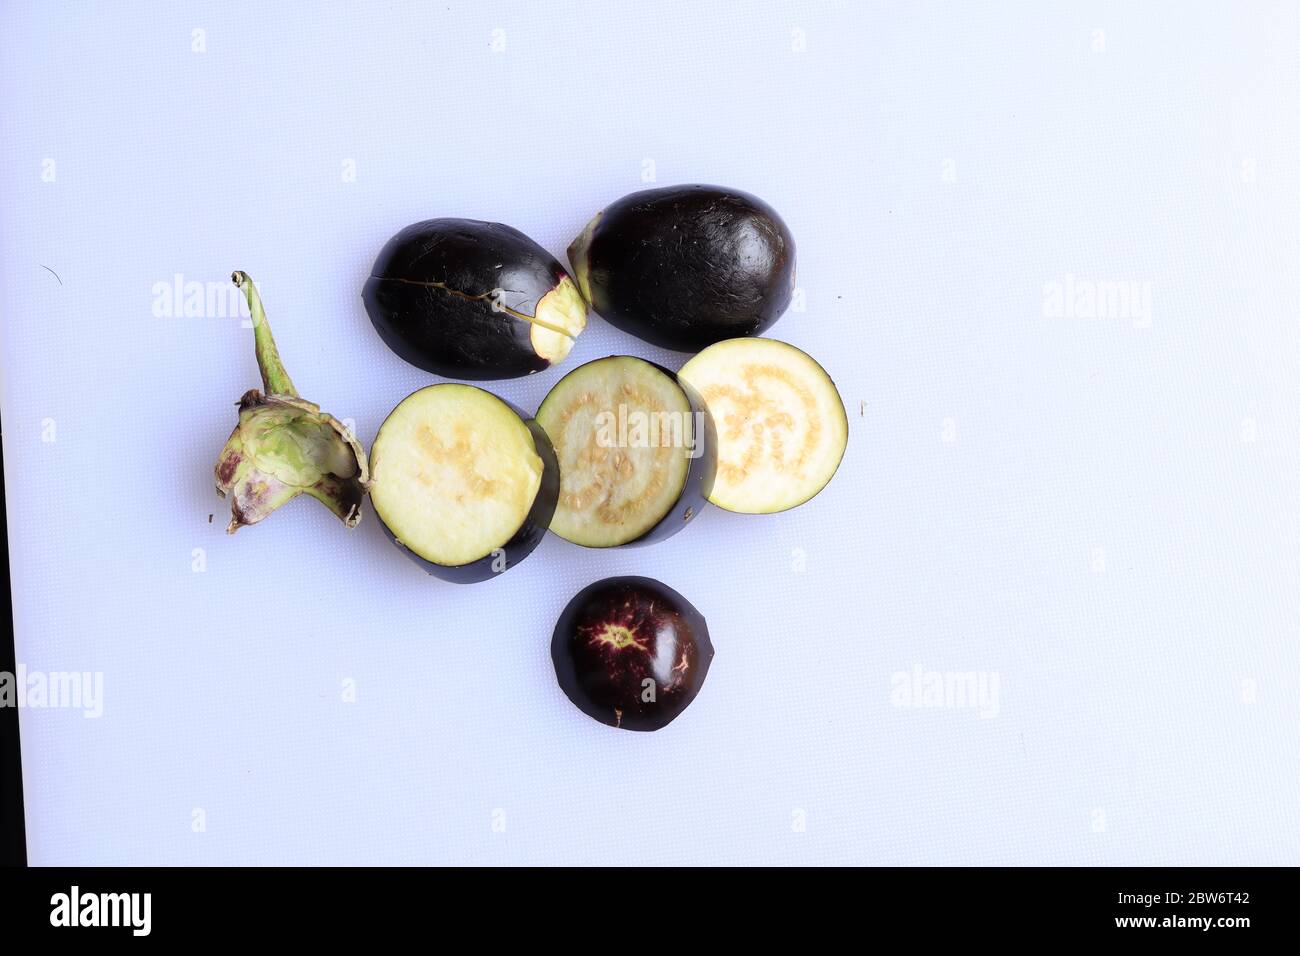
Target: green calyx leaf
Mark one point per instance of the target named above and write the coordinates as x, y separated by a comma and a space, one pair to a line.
285, 446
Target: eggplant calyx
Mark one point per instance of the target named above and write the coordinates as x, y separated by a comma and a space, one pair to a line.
284, 445
275, 379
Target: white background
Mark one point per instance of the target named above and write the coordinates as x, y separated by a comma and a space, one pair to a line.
1100, 513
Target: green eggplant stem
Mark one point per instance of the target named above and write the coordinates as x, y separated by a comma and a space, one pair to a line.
275, 379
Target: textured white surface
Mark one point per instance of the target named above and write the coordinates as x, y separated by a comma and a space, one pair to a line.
1100, 513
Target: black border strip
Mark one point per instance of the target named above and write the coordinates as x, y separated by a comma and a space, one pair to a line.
981, 906
13, 837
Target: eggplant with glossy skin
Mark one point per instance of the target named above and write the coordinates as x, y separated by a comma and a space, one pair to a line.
781, 425
473, 300
631, 652
686, 266
285, 446
635, 450
462, 482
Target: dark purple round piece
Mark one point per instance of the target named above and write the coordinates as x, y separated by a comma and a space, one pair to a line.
631, 652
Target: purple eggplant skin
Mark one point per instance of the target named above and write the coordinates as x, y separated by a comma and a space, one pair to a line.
683, 267
631, 652
523, 542
456, 297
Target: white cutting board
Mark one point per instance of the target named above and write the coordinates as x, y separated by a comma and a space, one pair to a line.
1098, 514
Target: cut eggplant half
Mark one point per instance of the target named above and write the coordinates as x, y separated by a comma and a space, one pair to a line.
462, 482
686, 266
473, 300
781, 426
636, 460
631, 652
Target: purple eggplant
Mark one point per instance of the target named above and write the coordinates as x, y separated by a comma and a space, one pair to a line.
631, 652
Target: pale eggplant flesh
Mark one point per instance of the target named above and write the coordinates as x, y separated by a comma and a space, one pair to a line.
781, 425
636, 450
463, 482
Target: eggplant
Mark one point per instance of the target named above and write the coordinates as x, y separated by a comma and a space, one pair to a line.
781, 425
631, 652
463, 482
473, 300
683, 267
636, 452
285, 446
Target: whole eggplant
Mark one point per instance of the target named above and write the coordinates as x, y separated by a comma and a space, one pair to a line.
473, 300
683, 267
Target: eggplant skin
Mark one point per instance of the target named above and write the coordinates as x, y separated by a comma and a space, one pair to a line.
683, 267
631, 652
523, 542
461, 298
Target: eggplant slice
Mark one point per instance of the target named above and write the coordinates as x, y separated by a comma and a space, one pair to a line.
631, 652
473, 300
636, 462
781, 426
462, 482
683, 267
